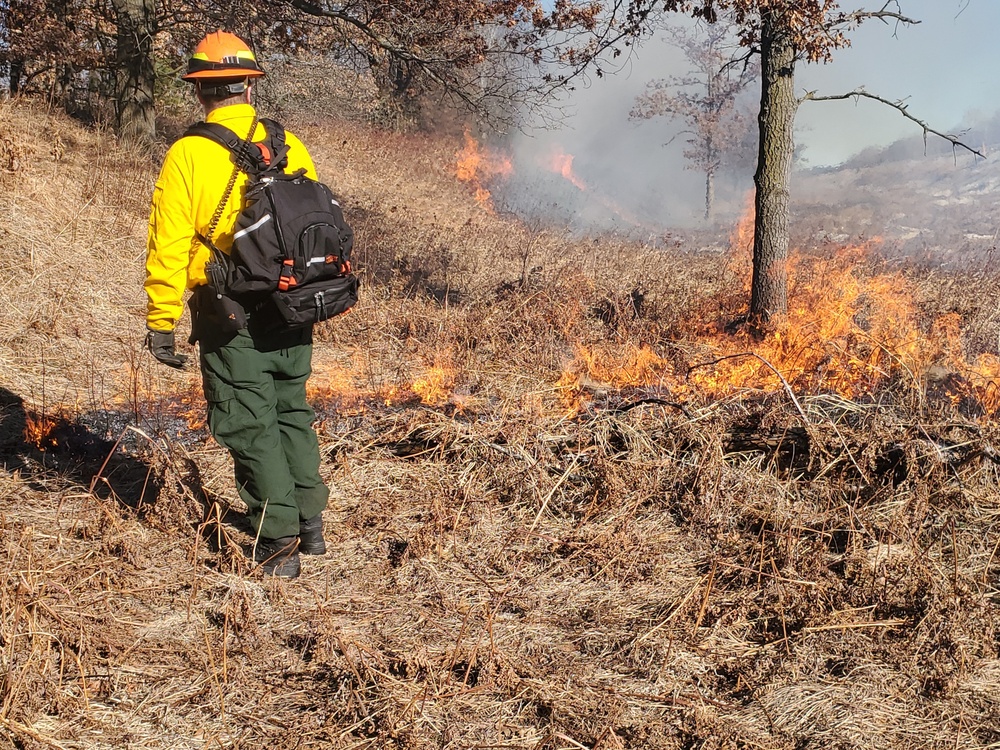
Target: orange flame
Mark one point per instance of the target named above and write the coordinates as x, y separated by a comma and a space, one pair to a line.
741, 244
476, 165
354, 386
635, 367
435, 386
193, 410
38, 430
569, 388
562, 163
846, 332
614, 367
337, 382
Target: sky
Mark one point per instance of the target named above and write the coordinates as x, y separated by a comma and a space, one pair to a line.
946, 68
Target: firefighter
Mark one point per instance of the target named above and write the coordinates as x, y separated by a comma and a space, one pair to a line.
254, 382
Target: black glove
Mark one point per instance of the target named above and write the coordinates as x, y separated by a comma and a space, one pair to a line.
161, 345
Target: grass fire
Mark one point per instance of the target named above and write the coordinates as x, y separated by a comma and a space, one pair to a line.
576, 503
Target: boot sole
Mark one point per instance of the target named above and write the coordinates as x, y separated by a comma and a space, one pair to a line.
287, 568
280, 572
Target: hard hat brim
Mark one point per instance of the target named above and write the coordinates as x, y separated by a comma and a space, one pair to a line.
200, 75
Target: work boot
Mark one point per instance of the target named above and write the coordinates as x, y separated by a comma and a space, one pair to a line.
279, 557
311, 540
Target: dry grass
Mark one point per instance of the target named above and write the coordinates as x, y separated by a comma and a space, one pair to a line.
519, 561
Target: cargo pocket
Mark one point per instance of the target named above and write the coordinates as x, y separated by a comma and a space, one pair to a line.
220, 398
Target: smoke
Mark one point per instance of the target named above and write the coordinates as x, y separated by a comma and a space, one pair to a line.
627, 175
636, 178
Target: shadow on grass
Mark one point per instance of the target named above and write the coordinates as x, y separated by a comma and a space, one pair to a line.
123, 465
52, 450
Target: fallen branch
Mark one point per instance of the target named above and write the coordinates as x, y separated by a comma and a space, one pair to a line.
645, 401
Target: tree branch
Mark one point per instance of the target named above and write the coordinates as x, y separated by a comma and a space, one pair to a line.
772, 368
883, 15
898, 106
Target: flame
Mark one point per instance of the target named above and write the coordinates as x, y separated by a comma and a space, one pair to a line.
634, 367
434, 388
38, 429
338, 383
983, 379
355, 386
740, 259
847, 331
193, 410
476, 165
611, 366
844, 333
570, 390
562, 163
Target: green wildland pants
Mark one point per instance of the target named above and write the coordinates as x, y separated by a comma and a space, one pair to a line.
255, 387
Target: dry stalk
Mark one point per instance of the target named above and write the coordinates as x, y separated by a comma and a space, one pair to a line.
495, 561
788, 388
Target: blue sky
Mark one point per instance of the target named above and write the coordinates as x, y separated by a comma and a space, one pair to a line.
947, 68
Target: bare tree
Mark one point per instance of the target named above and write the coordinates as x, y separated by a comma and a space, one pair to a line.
473, 55
782, 33
135, 26
476, 55
44, 43
56, 46
706, 99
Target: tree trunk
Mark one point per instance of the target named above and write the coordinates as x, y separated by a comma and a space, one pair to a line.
709, 193
710, 160
136, 71
778, 105
397, 106
15, 72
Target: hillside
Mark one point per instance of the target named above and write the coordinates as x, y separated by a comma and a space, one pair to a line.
939, 209
569, 509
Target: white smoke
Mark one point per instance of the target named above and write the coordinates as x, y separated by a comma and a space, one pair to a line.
637, 179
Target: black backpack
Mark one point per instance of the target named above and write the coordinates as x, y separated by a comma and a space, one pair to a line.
291, 245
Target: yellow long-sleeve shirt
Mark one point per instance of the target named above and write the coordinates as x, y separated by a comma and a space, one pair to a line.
192, 181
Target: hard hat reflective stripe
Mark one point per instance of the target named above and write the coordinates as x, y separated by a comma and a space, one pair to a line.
197, 63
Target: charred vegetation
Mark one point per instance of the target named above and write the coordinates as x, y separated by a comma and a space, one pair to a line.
570, 508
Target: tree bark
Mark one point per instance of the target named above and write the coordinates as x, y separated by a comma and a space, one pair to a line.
776, 121
709, 194
15, 72
134, 104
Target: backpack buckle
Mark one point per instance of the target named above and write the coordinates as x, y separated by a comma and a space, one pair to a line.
287, 277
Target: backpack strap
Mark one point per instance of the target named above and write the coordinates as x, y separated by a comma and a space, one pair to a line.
242, 157
215, 132
239, 154
274, 141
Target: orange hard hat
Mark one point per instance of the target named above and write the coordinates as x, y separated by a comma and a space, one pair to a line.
222, 55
